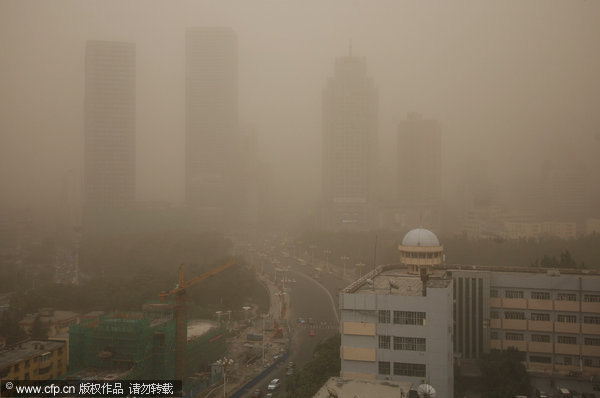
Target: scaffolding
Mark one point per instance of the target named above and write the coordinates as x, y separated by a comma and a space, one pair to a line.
138, 345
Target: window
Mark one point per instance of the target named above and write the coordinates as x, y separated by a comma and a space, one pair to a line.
595, 341
27, 363
384, 342
567, 361
536, 316
540, 359
494, 314
27, 376
60, 351
591, 362
409, 318
594, 320
514, 336
384, 368
540, 338
566, 297
566, 340
591, 298
409, 343
540, 296
514, 294
384, 316
493, 292
567, 318
514, 315
16, 367
494, 335
409, 369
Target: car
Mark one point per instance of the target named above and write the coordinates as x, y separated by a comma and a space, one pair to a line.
312, 333
269, 395
291, 365
273, 385
289, 372
257, 393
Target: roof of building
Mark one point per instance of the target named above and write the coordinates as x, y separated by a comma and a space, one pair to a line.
363, 388
51, 316
394, 279
420, 237
26, 350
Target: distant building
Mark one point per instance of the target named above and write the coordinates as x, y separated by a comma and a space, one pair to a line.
56, 321
212, 163
420, 171
110, 100
349, 146
592, 225
396, 321
34, 360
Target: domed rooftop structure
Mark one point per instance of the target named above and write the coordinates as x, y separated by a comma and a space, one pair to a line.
420, 237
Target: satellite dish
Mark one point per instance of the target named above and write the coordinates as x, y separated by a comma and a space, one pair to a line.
370, 281
393, 285
426, 391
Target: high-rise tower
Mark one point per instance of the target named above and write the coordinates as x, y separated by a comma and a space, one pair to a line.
420, 171
109, 127
211, 123
349, 145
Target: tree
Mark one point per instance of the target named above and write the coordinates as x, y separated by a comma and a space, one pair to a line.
503, 374
325, 364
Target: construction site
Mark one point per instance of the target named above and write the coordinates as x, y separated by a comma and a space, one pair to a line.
140, 345
153, 344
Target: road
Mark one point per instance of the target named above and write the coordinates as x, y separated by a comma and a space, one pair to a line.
309, 298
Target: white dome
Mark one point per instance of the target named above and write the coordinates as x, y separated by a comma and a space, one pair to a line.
420, 237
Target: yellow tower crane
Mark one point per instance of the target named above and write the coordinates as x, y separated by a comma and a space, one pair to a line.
181, 316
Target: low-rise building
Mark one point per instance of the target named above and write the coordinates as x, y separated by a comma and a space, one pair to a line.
56, 321
34, 360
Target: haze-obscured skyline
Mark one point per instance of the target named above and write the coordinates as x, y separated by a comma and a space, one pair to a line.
509, 82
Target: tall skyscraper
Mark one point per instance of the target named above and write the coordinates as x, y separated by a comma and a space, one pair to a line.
349, 145
420, 171
212, 166
109, 176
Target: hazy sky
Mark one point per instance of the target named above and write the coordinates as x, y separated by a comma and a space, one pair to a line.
507, 80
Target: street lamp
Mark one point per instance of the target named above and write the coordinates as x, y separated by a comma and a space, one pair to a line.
327, 253
312, 254
225, 362
344, 259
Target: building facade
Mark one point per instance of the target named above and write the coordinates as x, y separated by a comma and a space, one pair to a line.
34, 360
396, 321
420, 171
349, 146
110, 100
211, 122
552, 316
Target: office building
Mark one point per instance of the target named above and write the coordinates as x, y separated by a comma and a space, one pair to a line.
110, 100
420, 171
396, 321
211, 163
349, 146
552, 316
